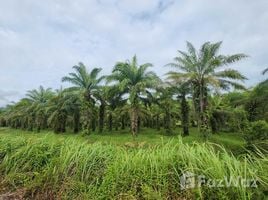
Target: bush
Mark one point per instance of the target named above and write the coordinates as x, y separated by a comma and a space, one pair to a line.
237, 120
257, 131
229, 120
257, 136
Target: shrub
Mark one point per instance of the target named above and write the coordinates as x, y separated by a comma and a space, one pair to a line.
257, 136
237, 120
257, 131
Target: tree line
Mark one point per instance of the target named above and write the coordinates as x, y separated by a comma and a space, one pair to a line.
133, 96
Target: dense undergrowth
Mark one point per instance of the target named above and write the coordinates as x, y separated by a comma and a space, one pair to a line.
66, 168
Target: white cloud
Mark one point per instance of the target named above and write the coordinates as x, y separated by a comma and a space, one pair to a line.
7, 97
40, 41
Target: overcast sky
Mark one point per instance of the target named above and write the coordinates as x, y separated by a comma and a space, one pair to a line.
41, 40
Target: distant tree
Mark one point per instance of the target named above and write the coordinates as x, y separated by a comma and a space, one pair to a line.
115, 107
200, 69
102, 96
218, 111
164, 99
20, 115
88, 83
73, 105
58, 112
256, 102
39, 99
109, 97
183, 91
133, 79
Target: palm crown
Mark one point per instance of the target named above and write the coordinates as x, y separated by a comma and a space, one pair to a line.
203, 67
84, 80
40, 95
133, 78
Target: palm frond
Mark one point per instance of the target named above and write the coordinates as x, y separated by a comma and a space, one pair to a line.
225, 84
231, 74
265, 71
234, 58
191, 49
94, 73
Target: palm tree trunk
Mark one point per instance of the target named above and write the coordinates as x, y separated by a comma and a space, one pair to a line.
122, 123
213, 123
195, 104
44, 123
101, 117
185, 115
139, 124
63, 123
157, 122
201, 102
76, 119
134, 121
203, 118
110, 119
38, 123
88, 122
116, 126
38, 128
90, 111
168, 121
30, 125
93, 124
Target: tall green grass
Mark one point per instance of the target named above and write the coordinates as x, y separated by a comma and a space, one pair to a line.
58, 168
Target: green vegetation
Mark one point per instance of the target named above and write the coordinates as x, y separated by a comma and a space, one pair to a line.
75, 142
51, 167
147, 138
257, 135
134, 97
200, 70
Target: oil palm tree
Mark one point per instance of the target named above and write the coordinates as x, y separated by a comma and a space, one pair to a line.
102, 96
133, 79
58, 112
62, 106
202, 70
39, 95
87, 83
16, 115
163, 97
256, 102
114, 101
39, 99
73, 107
183, 90
218, 112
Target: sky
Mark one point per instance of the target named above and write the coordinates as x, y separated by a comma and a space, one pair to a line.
40, 40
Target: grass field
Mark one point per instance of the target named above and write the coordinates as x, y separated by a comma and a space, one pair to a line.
147, 137
113, 166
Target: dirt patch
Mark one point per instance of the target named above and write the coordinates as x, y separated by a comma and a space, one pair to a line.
17, 195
